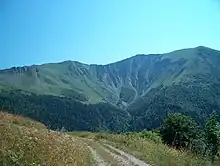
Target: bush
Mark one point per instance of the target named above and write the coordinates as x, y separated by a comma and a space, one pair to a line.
152, 136
179, 131
212, 135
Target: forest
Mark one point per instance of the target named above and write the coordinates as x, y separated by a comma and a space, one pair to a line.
62, 112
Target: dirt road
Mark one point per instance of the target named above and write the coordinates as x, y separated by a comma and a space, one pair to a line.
107, 155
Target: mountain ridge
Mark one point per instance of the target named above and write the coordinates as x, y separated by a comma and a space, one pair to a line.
146, 88
99, 81
138, 54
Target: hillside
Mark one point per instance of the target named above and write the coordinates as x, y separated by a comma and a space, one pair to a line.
120, 82
134, 93
62, 112
28, 142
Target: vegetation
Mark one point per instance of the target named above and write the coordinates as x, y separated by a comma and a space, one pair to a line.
197, 97
145, 148
150, 135
25, 142
62, 112
119, 83
179, 141
174, 93
212, 136
180, 131
134, 94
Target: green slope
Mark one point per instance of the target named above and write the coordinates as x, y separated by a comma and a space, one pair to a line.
52, 79
118, 83
62, 112
148, 86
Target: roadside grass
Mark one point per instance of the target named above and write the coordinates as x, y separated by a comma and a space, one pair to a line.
25, 142
149, 150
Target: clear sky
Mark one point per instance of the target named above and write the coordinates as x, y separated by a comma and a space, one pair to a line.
102, 31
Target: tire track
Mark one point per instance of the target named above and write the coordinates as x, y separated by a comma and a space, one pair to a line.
107, 155
127, 158
97, 158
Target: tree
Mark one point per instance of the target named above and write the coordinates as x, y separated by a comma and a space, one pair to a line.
179, 130
212, 135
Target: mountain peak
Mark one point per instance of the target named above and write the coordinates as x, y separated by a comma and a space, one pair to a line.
203, 47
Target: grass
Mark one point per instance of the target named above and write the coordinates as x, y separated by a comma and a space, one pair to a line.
154, 153
25, 142
6, 118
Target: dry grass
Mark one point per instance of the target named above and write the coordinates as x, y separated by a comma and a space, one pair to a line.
152, 153
6, 118
25, 142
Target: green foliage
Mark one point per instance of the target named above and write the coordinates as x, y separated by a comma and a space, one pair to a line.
149, 87
179, 131
123, 81
149, 151
212, 135
197, 96
62, 112
150, 135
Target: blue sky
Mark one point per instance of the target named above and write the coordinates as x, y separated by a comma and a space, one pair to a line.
102, 31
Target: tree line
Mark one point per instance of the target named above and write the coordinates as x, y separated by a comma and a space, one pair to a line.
181, 131
65, 112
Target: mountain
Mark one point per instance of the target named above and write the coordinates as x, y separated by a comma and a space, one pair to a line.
143, 88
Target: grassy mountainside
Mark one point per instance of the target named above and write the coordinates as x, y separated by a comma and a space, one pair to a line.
145, 87
196, 92
199, 98
119, 83
25, 142
61, 79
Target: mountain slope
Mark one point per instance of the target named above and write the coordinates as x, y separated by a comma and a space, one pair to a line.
121, 82
196, 92
145, 87
62, 112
